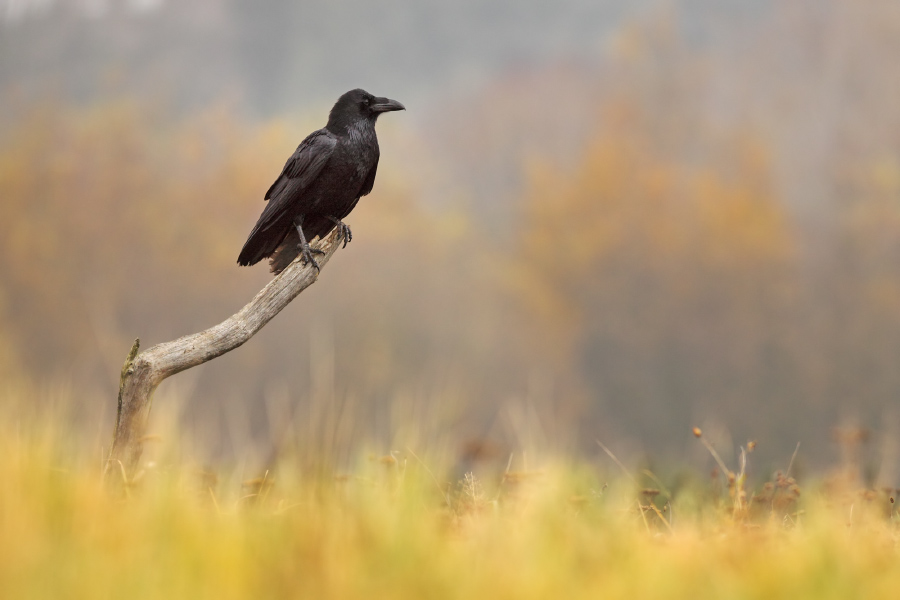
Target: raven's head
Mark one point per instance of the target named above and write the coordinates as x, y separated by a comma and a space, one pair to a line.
359, 104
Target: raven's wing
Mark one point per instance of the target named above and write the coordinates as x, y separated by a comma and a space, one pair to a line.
299, 171
288, 250
304, 164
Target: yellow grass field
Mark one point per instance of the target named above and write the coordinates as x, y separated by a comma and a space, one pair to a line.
390, 528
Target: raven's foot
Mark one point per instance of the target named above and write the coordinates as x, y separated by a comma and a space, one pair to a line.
307, 253
343, 230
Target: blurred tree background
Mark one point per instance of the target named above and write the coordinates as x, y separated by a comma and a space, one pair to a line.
607, 220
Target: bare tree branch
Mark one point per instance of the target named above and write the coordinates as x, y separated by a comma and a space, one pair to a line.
143, 372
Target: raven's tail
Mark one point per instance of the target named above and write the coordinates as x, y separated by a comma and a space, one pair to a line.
262, 242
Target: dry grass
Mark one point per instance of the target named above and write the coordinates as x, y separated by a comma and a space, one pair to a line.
401, 526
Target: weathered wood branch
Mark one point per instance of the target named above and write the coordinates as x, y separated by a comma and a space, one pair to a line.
144, 371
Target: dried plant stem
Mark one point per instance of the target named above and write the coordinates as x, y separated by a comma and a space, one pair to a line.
791, 464
617, 461
716, 456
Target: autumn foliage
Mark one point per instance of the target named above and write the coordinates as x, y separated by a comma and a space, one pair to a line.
654, 272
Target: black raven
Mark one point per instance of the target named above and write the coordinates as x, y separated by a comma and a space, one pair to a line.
320, 184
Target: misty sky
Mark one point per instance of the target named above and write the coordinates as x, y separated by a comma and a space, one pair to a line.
271, 57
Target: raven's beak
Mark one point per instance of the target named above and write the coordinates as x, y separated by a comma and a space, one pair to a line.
386, 105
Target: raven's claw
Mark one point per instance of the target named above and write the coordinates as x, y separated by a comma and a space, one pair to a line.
307, 253
343, 230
